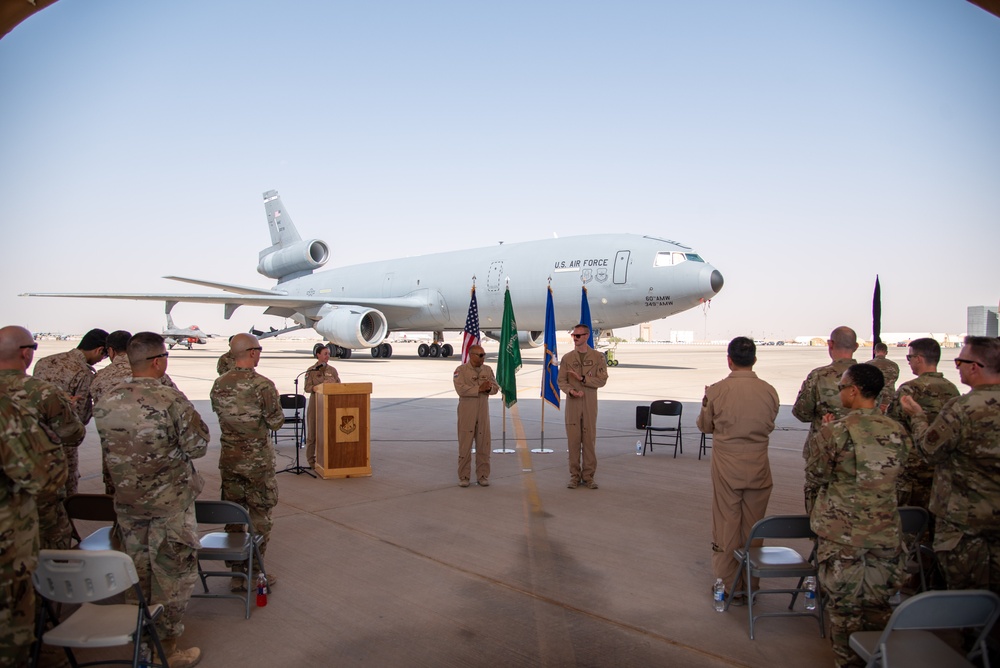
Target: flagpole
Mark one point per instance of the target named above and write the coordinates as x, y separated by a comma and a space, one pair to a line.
545, 366
506, 365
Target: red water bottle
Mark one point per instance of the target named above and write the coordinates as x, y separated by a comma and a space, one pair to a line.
261, 590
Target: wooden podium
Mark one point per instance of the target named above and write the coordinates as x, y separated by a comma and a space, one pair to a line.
343, 436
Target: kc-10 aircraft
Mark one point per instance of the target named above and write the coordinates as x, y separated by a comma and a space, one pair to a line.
630, 279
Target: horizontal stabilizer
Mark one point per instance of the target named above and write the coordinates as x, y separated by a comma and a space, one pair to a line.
228, 287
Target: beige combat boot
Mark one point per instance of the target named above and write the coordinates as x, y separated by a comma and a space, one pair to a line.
180, 658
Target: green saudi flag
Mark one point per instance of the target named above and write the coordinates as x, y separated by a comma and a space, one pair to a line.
510, 354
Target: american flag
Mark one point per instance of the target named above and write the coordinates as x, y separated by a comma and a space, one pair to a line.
470, 337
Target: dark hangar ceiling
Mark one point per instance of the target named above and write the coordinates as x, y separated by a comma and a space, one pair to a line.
13, 12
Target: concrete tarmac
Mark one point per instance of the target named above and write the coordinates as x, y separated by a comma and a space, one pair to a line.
407, 569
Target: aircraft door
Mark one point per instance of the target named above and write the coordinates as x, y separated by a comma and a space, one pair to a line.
494, 282
621, 267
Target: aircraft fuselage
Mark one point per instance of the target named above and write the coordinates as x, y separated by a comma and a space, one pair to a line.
629, 278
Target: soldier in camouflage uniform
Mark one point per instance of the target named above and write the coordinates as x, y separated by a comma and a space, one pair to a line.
54, 413
32, 465
152, 433
73, 372
931, 390
226, 361
890, 371
819, 395
963, 443
856, 461
249, 409
114, 374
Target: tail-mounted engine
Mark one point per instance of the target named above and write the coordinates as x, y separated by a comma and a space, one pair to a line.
299, 258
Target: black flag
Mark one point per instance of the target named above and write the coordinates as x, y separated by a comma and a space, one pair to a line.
876, 315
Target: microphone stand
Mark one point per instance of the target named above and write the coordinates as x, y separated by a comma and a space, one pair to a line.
299, 423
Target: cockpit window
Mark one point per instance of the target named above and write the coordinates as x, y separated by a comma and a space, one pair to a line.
670, 259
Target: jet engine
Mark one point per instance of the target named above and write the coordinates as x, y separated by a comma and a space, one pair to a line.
525, 339
352, 326
531, 339
301, 257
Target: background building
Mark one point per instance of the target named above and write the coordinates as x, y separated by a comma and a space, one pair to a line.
982, 321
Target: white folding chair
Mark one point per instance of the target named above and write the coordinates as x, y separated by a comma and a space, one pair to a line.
84, 577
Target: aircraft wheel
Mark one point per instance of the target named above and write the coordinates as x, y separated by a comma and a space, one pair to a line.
376, 352
434, 350
346, 354
170, 346
422, 350
386, 350
447, 350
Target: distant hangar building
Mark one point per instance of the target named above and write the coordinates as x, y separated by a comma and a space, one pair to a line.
982, 321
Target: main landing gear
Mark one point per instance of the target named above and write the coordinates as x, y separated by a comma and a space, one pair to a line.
382, 350
339, 351
435, 350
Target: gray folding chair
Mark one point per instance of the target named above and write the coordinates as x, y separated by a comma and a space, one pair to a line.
92, 508
663, 408
84, 577
913, 521
777, 562
228, 546
907, 641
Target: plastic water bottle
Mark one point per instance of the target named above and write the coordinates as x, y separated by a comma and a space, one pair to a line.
638, 447
719, 595
810, 586
261, 590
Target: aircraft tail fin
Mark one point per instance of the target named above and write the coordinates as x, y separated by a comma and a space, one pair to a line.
170, 322
279, 223
288, 256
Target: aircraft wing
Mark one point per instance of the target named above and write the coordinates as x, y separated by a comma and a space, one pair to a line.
229, 287
277, 302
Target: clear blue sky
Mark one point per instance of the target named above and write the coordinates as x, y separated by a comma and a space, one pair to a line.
801, 147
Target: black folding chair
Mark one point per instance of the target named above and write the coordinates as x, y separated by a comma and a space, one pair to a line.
92, 508
663, 408
913, 521
294, 408
704, 447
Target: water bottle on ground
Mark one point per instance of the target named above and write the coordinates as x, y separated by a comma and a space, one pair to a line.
261, 590
719, 595
810, 586
638, 447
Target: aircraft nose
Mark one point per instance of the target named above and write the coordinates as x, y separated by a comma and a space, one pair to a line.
716, 281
